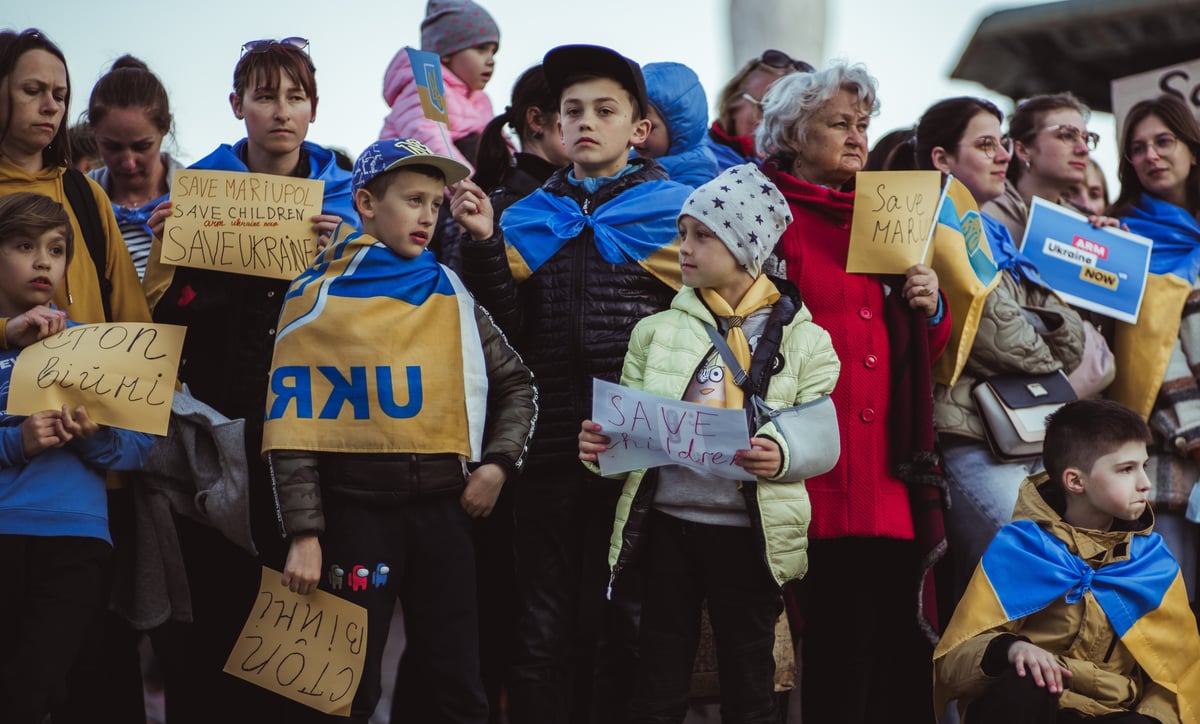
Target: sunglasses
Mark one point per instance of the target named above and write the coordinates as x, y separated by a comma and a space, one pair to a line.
782, 61
262, 46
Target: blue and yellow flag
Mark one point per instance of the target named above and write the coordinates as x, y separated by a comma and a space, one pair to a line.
638, 225
966, 271
1025, 569
376, 353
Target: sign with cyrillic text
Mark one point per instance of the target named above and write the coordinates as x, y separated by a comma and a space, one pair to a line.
243, 223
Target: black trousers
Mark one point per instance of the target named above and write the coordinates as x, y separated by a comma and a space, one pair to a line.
864, 657
1014, 699
563, 525
682, 565
52, 595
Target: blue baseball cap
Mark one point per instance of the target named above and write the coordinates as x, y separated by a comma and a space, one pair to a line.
392, 153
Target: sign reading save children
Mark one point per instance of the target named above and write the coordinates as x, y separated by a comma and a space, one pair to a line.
123, 373
648, 431
244, 223
309, 648
893, 220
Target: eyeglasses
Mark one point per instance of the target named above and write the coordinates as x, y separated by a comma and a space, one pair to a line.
990, 145
1071, 135
1163, 144
262, 46
782, 61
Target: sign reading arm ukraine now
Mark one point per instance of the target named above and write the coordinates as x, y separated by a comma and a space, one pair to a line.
377, 353
1103, 270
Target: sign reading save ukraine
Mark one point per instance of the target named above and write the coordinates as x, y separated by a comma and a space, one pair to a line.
1101, 269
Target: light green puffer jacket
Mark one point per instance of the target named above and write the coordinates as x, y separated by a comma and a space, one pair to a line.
667, 348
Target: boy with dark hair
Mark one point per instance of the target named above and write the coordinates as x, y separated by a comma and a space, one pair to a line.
569, 272
379, 464
1077, 610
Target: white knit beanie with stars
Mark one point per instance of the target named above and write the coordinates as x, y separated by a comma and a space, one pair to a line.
745, 210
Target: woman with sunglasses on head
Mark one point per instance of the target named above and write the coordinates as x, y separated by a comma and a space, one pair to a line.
962, 137
1051, 144
1160, 199
230, 320
731, 137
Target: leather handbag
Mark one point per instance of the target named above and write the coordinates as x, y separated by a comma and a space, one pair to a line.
810, 431
1014, 410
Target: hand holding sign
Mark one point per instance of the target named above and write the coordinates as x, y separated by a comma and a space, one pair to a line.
893, 220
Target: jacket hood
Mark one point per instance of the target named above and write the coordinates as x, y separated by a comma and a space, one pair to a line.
399, 76
837, 205
675, 92
1042, 503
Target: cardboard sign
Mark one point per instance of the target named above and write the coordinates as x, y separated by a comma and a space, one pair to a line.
1182, 80
427, 72
1103, 270
243, 223
648, 431
893, 220
123, 373
308, 648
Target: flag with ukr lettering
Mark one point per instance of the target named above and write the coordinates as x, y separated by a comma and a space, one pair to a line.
376, 353
966, 271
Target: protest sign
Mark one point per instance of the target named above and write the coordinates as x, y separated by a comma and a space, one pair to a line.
123, 373
648, 431
1181, 80
427, 72
309, 648
243, 223
893, 220
1103, 269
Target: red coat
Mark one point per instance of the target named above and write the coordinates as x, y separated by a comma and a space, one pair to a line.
860, 496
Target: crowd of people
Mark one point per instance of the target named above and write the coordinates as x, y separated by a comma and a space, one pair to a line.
601, 228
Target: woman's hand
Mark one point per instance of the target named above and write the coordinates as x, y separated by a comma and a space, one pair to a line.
1101, 222
472, 209
324, 225
33, 325
483, 487
302, 572
1047, 672
591, 441
158, 219
763, 458
921, 289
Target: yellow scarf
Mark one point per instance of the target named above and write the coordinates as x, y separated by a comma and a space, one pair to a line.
760, 294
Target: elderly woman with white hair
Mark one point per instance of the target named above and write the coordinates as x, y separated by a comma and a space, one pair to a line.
865, 659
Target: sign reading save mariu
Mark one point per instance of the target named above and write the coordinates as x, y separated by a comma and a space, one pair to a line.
244, 223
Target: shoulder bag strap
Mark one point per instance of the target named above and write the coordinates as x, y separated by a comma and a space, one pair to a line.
87, 213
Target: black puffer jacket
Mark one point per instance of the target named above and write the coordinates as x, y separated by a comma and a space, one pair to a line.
571, 319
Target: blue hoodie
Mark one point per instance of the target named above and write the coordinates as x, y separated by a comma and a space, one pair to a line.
675, 92
60, 491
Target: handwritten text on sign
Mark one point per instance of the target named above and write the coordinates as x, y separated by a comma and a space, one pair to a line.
309, 648
648, 431
123, 373
893, 220
244, 223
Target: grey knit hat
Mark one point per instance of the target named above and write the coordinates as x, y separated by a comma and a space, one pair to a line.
453, 25
746, 212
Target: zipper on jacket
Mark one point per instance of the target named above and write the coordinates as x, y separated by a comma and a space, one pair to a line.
612, 577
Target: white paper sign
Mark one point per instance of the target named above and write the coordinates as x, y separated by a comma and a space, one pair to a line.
648, 431
1182, 80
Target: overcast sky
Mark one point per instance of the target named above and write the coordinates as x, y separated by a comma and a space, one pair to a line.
910, 47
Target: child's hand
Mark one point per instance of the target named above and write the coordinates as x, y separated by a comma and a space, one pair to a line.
472, 209
33, 325
40, 432
158, 219
76, 424
591, 442
483, 487
763, 458
1047, 672
324, 224
920, 289
302, 571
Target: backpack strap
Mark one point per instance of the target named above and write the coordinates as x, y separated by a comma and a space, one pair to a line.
87, 214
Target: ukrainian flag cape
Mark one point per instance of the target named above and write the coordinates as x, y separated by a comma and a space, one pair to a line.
1025, 569
376, 353
638, 225
966, 271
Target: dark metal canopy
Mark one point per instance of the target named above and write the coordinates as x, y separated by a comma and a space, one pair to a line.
1079, 46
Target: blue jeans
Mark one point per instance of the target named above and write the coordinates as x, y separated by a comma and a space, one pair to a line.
983, 491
